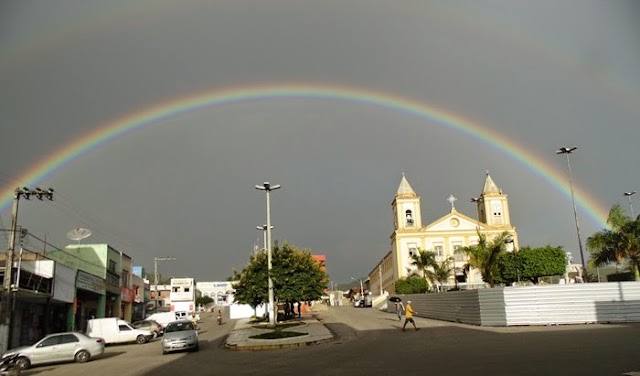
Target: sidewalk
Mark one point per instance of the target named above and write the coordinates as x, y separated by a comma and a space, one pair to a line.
239, 338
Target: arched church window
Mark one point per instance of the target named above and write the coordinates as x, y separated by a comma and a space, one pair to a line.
409, 216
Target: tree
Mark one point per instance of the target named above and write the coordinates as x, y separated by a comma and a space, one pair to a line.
203, 300
296, 276
620, 242
442, 271
424, 261
411, 285
252, 283
530, 264
484, 255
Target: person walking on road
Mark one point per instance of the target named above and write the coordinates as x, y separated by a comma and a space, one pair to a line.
408, 314
399, 309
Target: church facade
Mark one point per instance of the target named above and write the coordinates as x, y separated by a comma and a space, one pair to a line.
444, 236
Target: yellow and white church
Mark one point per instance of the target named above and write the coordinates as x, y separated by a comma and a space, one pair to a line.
445, 236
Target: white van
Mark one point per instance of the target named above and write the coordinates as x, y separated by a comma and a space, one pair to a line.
114, 330
163, 318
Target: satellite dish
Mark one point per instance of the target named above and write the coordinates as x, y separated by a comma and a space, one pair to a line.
78, 234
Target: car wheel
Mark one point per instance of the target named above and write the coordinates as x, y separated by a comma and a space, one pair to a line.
23, 362
82, 356
140, 340
195, 349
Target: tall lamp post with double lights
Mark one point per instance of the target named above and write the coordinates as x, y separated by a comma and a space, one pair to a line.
267, 187
629, 194
566, 151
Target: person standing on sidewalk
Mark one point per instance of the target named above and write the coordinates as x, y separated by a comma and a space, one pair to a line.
408, 314
399, 309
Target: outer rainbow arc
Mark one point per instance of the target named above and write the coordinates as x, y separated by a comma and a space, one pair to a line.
115, 129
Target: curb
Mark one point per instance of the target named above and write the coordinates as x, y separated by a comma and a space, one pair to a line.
276, 346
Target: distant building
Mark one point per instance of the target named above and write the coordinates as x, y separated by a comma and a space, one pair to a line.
445, 236
183, 294
221, 292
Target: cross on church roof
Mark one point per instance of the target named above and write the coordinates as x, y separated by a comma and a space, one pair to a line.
451, 200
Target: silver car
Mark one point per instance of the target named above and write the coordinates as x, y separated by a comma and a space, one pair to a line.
59, 347
179, 335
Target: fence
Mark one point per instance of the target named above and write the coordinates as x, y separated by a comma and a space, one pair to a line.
614, 302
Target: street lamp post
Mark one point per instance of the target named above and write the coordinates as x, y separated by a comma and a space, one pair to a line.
566, 151
629, 194
267, 187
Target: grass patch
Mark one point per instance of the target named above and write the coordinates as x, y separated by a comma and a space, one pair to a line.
278, 332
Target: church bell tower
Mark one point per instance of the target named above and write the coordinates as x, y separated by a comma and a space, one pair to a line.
493, 205
406, 207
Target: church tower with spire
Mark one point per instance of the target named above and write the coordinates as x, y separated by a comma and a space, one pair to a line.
493, 205
406, 207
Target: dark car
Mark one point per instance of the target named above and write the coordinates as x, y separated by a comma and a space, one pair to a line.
150, 325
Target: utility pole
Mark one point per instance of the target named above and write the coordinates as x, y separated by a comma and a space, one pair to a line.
5, 308
155, 271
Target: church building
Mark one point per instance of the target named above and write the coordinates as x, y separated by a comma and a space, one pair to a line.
445, 236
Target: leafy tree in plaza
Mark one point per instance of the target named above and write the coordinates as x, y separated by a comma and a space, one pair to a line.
529, 264
296, 277
252, 283
484, 255
411, 285
620, 242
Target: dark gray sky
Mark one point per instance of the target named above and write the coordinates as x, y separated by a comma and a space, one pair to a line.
544, 74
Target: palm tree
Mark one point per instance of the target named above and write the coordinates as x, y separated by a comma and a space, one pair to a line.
424, 260
442, 272
484, 255
621, 241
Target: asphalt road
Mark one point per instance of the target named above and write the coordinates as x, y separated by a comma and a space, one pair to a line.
369, 342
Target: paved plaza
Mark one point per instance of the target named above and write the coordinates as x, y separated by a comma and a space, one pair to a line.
370, 342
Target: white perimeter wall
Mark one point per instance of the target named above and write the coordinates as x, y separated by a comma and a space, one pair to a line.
614, 302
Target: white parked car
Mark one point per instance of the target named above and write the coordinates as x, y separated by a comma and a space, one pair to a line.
114, 330
59, 347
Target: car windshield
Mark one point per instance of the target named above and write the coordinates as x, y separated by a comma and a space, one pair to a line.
178, 326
